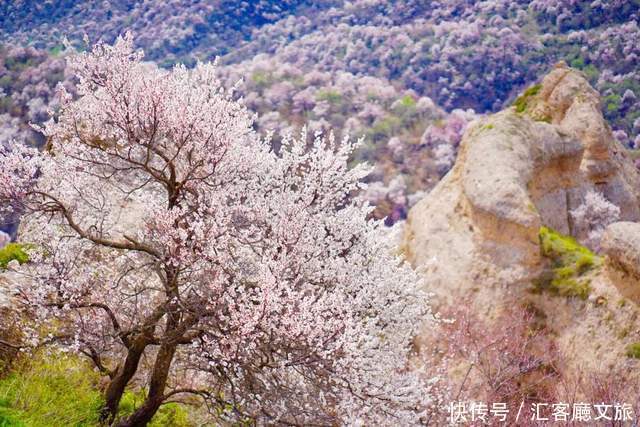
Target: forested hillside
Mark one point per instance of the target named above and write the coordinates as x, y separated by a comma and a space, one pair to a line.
298, 212
408, 75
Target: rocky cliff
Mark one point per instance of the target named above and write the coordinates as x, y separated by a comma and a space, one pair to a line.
520, 172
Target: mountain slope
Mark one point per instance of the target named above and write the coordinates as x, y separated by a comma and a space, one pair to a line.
177, 30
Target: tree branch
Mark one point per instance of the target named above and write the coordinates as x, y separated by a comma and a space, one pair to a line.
131, 244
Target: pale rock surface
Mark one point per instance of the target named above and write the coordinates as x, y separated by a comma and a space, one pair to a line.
621, 244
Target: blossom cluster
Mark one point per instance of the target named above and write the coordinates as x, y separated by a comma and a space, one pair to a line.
161, 224
28, 78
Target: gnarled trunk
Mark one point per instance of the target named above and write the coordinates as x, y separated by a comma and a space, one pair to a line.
117, 385
157, 386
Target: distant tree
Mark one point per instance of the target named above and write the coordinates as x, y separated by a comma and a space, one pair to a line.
4, 239
594, 214
177, 250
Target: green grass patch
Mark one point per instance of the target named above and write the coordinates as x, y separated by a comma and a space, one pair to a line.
570, 261
633, 350
8, 417
13, 251
169, 414
63, 390
49, 391
524, 101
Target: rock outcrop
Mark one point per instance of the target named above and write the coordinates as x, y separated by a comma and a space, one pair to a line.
518, 170
476, 235
621, 244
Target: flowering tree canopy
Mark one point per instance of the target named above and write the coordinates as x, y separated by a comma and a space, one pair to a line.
594, 215
175, 248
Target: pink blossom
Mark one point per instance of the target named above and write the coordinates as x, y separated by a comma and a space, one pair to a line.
164, 228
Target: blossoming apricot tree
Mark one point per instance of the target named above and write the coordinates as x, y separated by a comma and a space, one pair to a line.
183, 254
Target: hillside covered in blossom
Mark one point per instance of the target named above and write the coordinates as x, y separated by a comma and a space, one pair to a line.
407, 75
296, 212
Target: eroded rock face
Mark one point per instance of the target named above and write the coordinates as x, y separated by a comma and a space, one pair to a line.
517, 170
475, 236
621, 244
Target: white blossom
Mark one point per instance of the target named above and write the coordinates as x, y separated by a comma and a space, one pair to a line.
594, 214
163, 226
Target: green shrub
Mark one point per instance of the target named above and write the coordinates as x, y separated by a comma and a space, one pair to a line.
13, 251
578, 63
591, 72
406, 105
408, 101
570, 262
56, 50
262, 79
384, 128
570, 287
48, 391
565, 249
523, 102
633, 350
612, 103
6, 82
331, 96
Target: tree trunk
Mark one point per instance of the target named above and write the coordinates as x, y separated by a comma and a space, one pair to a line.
157, 385
119, 382
161, 366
